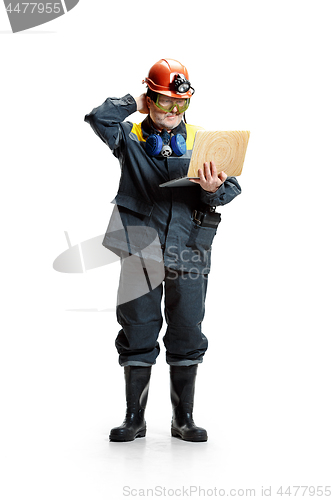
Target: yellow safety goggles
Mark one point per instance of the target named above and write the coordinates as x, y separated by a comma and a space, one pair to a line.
167, 104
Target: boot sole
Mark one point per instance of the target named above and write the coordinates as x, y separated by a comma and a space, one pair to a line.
123, 439
194, 439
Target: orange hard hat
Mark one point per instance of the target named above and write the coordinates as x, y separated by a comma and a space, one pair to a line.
169, 77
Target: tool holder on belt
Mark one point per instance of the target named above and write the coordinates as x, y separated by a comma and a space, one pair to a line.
206, 217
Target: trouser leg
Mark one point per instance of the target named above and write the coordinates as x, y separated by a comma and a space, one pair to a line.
185, 295
140, 318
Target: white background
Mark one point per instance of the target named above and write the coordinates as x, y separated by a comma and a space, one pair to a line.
264, 391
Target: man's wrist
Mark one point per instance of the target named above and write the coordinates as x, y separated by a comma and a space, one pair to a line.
212, 192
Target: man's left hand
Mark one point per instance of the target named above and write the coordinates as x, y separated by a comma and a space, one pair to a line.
209, 180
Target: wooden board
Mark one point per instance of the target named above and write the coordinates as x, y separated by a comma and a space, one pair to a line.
226, 149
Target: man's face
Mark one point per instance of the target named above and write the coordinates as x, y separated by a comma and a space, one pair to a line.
165, 120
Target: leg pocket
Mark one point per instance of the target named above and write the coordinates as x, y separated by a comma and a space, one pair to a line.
201, 238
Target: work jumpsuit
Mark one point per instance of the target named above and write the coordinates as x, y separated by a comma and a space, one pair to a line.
161, 246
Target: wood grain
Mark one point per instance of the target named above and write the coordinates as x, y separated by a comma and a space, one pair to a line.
226, 149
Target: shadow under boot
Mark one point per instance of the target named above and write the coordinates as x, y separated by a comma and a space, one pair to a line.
182, 384
137, 384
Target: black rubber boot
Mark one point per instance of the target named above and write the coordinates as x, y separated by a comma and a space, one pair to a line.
137, 384
182, 381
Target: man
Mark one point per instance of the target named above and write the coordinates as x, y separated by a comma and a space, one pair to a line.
151, 153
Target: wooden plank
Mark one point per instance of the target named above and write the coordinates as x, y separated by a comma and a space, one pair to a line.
226, 149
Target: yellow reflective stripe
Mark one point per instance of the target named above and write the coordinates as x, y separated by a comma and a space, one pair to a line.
191, 131
136, 129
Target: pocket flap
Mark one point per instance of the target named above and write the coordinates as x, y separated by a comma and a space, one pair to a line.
134, 204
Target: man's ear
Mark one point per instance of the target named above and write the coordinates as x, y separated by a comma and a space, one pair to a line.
148, 102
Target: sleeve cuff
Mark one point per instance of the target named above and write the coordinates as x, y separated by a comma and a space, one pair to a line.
213, 199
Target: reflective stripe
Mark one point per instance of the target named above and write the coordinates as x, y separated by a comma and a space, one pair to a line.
136, 129
190, 129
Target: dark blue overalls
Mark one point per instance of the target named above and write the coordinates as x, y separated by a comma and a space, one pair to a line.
153, 231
